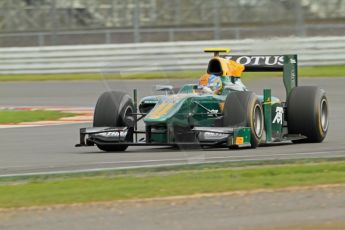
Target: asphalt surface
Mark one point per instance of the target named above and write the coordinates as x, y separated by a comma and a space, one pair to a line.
51, 148
317, 208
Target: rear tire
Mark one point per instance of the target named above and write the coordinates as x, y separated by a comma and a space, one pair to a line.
113, 109
243, 109
307, 113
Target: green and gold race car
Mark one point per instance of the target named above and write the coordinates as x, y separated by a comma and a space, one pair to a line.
230, 116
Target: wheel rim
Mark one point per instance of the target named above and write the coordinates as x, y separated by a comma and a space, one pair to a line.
128, 113
258, 120
324, 115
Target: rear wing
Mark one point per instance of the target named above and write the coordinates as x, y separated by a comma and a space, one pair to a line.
270, 63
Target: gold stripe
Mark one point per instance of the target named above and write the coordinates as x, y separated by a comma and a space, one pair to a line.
161, 110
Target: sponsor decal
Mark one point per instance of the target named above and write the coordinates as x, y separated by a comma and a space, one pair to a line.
109, 134
258, 60
211, 135
293, 72
239, 140
150, 102
279, 116
120, 136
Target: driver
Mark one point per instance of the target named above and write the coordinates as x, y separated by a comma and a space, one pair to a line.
214, 83
211, 83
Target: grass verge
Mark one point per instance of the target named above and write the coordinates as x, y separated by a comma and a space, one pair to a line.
149, 183
17, 116
318, 71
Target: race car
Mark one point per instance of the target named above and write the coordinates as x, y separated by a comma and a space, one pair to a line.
230, 118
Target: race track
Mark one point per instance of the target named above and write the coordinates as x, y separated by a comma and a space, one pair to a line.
40, 150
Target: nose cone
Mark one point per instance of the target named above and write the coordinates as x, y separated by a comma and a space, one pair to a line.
166, 109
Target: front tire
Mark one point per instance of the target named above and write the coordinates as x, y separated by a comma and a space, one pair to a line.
114, 109
243, 109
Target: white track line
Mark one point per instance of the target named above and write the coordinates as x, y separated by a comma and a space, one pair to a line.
222, 157
186, 162
188, 158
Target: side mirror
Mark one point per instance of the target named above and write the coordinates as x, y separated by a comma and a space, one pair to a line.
164, 88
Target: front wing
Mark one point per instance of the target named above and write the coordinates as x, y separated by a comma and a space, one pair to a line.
205, 136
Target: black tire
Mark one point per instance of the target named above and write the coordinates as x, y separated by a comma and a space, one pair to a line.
243, 109
307, 113
112, 110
